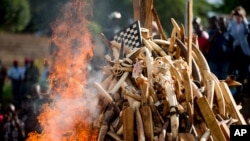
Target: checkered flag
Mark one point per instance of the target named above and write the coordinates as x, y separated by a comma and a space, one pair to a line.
131, 35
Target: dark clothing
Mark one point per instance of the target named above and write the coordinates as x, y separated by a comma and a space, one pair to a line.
31, 78
219, 54
15, 76
239, 64
3, 74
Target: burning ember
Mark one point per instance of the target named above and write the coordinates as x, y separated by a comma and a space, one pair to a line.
68, 116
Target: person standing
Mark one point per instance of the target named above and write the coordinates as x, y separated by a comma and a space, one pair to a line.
32, 75
14, 74
23, 70
203, 36
238, 28
13, 127
3, 74
220, 49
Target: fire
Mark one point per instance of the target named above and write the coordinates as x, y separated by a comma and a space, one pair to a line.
68, 116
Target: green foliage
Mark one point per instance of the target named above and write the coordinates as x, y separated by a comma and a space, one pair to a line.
43, 13
95, 28
229, 5
15, 15
177, 9
7, 91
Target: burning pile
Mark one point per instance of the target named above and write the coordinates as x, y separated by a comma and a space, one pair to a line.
150, 93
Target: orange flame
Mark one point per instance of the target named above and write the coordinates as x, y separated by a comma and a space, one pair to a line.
68, 117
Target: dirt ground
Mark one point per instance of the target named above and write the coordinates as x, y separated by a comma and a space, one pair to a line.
20, 46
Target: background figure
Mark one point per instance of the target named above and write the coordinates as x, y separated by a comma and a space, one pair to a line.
220, 49
114, 25
31, 78
44, 79
23, 70
13, 128
238, 28
3, 74
14, 74
202, 36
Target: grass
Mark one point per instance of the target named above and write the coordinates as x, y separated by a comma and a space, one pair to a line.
7, 96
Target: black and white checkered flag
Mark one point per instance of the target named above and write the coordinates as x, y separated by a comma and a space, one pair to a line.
131, 35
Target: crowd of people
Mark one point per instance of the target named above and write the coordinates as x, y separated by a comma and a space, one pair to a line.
29, 88
225, 45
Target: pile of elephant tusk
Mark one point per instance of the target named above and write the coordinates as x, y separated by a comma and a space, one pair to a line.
150, 93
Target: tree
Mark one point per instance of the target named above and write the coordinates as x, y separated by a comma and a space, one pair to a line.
15, 15
177, 9
228, 5
43, 14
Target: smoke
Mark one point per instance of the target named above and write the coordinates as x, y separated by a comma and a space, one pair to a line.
72, 108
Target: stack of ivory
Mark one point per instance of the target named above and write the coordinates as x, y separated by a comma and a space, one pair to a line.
150, 93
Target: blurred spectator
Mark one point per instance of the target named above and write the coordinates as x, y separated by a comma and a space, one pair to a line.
14, 74
220, 49
113, 26
13, 127
202, 36
3, 74
43, 86
24, 67
212, 25
23, 85
238, 28
45, 72
31, 77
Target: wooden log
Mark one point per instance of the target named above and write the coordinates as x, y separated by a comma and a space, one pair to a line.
136, 9
146, 15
